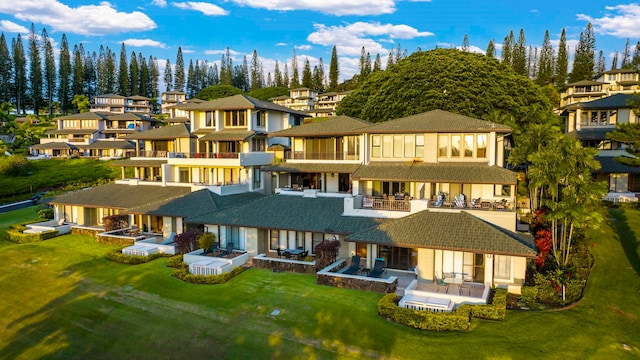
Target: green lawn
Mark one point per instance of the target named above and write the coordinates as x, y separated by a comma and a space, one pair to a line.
63, 299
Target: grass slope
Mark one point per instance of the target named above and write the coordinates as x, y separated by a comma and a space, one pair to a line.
63, 299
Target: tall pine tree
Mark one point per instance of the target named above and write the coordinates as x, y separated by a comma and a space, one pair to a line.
35, 71
277, 75
562, 62
626, 56
256, 77
334, 72
519, 56
584, 58
49, 71
123, 72
134, 75
178, 74
295, 77
491, 49
64, 76
5, 70
307, 76
545, 62
19, 64
168, 76
77, 81
507, 48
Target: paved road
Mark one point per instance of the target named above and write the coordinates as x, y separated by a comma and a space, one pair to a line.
15, 206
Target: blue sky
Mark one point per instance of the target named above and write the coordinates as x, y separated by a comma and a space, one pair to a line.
274, 28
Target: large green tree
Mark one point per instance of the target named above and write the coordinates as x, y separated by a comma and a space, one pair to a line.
562, 62
5, 70
545, 62
448, 79
584, 56
134, 75
64, 75
49, 71
178, 74
35, 70
295, 75
334, 71
19, 84
123, 72
218, 91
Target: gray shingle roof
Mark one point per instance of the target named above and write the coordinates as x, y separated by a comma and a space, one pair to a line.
228, 135
56, 145
121, 196
585, 82
72, 131
339, 125
611, 166
194, 204
312, 168
436, 121
617, 101
109, 144
590, 133
237, 102
288, 212
448, 231
169, 132
475, 173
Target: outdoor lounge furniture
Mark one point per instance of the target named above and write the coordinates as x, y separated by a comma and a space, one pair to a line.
378, 269
355, 266
227, 251
440, 282
170, 240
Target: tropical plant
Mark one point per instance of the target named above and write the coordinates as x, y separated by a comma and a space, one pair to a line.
187, 241
326, 253
206, 240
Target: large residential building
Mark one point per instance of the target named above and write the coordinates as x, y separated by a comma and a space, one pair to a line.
93, 134
590, 122
612, 82
307, 100
114, 103
425, 194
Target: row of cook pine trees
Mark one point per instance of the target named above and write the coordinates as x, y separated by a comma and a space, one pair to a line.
33, 80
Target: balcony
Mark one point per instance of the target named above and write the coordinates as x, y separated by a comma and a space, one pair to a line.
305, 155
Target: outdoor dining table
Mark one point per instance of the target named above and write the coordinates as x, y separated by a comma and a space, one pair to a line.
294, 252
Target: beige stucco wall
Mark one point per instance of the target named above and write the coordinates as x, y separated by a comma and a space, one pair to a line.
426, 264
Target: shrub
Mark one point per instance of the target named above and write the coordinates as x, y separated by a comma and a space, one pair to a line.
206, 240
326, 253
115, 222
549, 288
175, 261
16, 235
529, 295
187, 241
497, 310
184, 275
119, 257
458, 320
46, 212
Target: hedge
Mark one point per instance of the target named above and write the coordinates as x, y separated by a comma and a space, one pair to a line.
16, 235
119, 257
184, 275
457, 320
175, 261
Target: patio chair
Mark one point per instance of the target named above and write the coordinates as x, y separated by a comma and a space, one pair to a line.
227, 251
303, 255
440, 282
378, 269
215, 248
280, 253
355, 266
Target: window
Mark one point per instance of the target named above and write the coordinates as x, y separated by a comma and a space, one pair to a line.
419, 146
443, 145
299, 239
481, 146
387, 146
235, 118
208, 119
397, 146
317, 239
233, 236
261, 119
274, 239
468, 146
258, 144
184, 175
502, 267
502, 190
257, 178
409, 146
455, 145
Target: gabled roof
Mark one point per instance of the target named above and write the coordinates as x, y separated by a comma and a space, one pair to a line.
436, 121
617, 101
237, 102
339, 125
131, 116
169, 132
118, 196
312, 168
84, 116
56, 145
109, 144
448, 231
620, 71
288, 212
137, 97
585, 83
194, 204
590, 133
609, 165
228, 135
109, 96
474, 173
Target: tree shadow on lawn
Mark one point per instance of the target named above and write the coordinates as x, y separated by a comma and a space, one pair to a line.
626, 236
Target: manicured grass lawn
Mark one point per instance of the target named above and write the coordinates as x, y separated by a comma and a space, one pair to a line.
13, 217
62, 299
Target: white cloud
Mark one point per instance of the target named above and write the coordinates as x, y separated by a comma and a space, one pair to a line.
350, 39
303, 47
161, 3
623, 22
11, 27
144, 42
203, 7
472, 49
188, 51
99, 19
223, 51
333, 7
282, 44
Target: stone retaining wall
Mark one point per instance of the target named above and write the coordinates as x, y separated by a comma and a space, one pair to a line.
302, 267
81, 230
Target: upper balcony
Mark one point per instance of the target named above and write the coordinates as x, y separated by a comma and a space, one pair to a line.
211, 158
306, 155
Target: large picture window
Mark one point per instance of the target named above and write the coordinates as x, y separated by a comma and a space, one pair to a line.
208, 119
502, 267
233, 236
274, 239
235, 118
